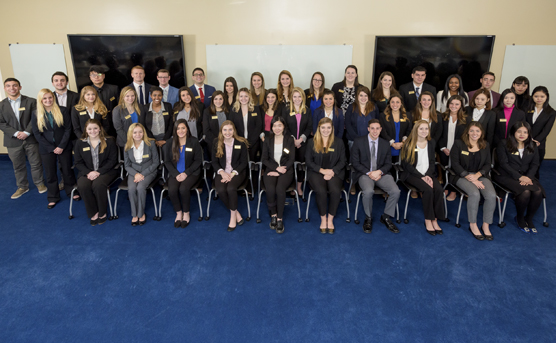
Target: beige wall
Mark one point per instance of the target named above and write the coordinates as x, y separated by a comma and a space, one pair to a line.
353, 22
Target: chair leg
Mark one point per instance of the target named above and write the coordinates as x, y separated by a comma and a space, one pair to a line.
154, 203
248, 207
504, 207
160, 204
299, 220
355, 220
71, 203
405, 220
459, 211
116, 202
208, 205
348, 220
398, 214
445, 206
200, 206
308, 205
545, 223
110, 205
259, 206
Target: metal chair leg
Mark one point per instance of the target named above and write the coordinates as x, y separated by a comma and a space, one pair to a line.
208, 205
154, 202
299, 220
200, 206
405, 220
248, 207
160, 204
308, 205
110, 205
259, 205
348, 220
71, 203
355, 220
116, 202
459, 210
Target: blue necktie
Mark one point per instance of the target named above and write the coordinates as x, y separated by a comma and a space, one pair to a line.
417, 92
141, 98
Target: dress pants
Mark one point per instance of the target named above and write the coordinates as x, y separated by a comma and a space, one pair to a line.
276, 192
387, 184
300, 157
180, 192
228, 191
433, 198
137, 192
94, 193
17, 155
474, 194
322, 187
49, 161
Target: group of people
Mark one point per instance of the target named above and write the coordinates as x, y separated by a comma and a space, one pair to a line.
412, 128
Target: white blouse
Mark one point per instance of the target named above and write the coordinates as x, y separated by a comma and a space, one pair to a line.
278, 152
422, 159
477, 114
138, 152
536, 115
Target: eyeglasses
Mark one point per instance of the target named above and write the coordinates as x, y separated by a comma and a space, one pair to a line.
164, 77
96, 74
317, 80
198, 74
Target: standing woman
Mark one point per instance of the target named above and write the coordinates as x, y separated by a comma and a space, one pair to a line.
479, 109
256, 88
384, 89
141, 164
470, 162
95, 158
158, 119
247, 122
284, 88
230, 160
396, 126
359, 114
269, 110
190, 109
521, 88
453, 86
425, 110
230, 92
128, 112
507, 114
278, 159
314, 93
329, 110
345, 89
298, 124
419, 171
89, 107
326, 159
52, 129
541, 119
213, 118
518, 161
183, 160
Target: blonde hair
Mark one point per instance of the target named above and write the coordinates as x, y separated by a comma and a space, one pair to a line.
237, 104
280, 89
129, 143
292, 106
121, 102
41, 111
318, 145
98, 106
408, 149
220, 144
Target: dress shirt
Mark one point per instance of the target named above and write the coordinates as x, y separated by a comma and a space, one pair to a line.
165, 93
62, 98
136, 85
229, 152
451, 132
536, 115
422, 159
278, 152
371, 149
158, 122
138, 152
477, 114
245, 118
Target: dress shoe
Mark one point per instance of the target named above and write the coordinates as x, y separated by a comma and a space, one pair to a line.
184, 224
323, 230
241, 222
273, 222
368, 225
488, 237
532, 227
524, 228
177, 223
142, 222
42, 188
94, 222
432, 233
385, 219
102, 220
19, 192
479, 237
52, 205
230, 229
331, 230
439, 232
134, 223
280, 226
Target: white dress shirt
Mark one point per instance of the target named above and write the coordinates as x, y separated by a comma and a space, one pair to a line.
138, 152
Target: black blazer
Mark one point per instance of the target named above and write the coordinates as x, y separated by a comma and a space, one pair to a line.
500, 127
240, 157
541, 128
409, 169
459, 156
109, 95
210, 126
254, 124
107, 160
288, 154
149, 164
121, 119
361, 157
407, 91
79, 119
147, 92
198, 122
460, 128
305, 125
435, 127
488, 121
337, 154
388, 131
193, 157
338, 89
72, 99
514, 166
9, 124
168, 122
55, 136
382, 103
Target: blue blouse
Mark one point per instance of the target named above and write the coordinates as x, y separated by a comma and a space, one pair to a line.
397, 139
134, 117
181, 162
315, 104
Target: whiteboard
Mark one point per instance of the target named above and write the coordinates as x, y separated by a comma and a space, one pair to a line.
34, 64
240, 61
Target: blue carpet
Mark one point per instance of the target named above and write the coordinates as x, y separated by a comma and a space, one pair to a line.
65, 281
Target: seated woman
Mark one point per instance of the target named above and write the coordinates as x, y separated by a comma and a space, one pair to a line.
470, 160
453, 86
247, 121
278, 158
541, 119
479, 109
269, 111
52, 129
313, 94
158, 119
230, 160
419, 171
326, 161
359, 114
396, 126
329, 110
141, 164
213, 117
128, 112
518, 161
191, 110
183, 159
425, 110
256, 88
89, 107
520, 86
507, 114
230, 93
95, 156
384, 89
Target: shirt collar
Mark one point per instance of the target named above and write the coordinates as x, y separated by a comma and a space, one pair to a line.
141, 146
16, 100
137, 85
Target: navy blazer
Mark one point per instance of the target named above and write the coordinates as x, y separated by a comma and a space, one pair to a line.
193, 157
240, 157
168, 122
173, 95
79, 119
541, 128
353, 122
337, 120
71, 100
488, 121
208, 94
287, 158
361, 157
9, 124
122, 121
55, 136
500, 127
515, 166
459, 156
147, 93
337, 154
254, 124
305, 125
107, 160
149, 164
409, 169
388, 131
460, 128
407, 91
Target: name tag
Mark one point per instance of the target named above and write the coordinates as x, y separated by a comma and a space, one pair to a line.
112, 98
330, 149
188, 149
412, 92
176, 112
128, 116
383, 99
340, 90
416, 150
237, 147
164, 113
21, 109
87, 149
403, 120
516, 153
83, 113
464, 153
503, 120
286, 151
145, 156
214, 117
198, 97
292, 114
253, 114
531, 111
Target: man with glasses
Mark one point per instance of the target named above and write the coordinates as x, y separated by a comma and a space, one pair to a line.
108, 94
169, 94
202, 92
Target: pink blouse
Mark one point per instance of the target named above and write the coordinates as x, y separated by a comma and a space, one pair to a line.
229, 151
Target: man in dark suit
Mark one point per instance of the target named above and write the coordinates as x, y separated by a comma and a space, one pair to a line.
487, 80
202, 92
15, 123
411, 91
108, 94
64, 97
169, 94
371, 161
141, 87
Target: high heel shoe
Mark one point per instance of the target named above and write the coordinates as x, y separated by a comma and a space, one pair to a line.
479, 237
133, 223
432, 233
184, 224
177, 224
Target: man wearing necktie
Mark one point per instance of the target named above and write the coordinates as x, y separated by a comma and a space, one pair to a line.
411, 91
202, 92
141, 87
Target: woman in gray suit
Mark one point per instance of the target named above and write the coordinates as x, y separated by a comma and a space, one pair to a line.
141, 162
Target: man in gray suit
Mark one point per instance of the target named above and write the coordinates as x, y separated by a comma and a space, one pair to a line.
15, 122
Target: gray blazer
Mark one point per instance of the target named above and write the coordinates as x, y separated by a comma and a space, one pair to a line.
122, 121
9, 124
149, 164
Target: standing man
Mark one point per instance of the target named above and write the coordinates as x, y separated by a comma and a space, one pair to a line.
411, 91
487, 80
15, 122
64, 97
108, 94
202, 92
169, 94
141, 87
372, 160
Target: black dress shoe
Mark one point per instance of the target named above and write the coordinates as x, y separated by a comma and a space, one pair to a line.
184, 224
368, 225
432, 233
142, 222
241, 222
479, 237
52, 206
94, 222
273, 222
280, 226
102, 220
439, 232
230, 229
488, 237
177, 223
134, 223
385, 219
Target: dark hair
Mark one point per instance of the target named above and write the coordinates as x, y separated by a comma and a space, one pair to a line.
12, 79
265, 105
546, 106
373, 121
511, 142
388, 110
59, 73
196, 69
212, 107
489, 73
176, 139
378, 92
519, 80
356, 81
486, 93
462, 115
370, 104
194, 113
500, 106
277, 119
461, 92
311, 88
234, 83
335, 109
97, 69
155, 89
481, 143
418, 68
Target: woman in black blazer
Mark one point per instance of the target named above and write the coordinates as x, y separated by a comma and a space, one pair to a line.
419, 171
141, 164
190, 109
230, 93
298, 124
95, 158
426, 110
384, 89
518, 161
52, 129
278, 159
127, 112
329, 110
520, 87
244, 111
470, 160
230, 160
159, 118
326, 161
541, 119
284, 88
269, 110
345, 89
396, 126
89, 107
183, 159
479, 109
314, 93
213, 117
507, 114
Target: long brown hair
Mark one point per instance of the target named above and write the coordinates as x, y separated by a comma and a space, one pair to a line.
418, 111
194, 113
98, 106
388, 110
265, 106
488, 105
378, 92
369, 107
312, 88
213, 107
281, 89
462, 115
234, 94
318, 144
101, 135
261, 97
220, 143
176, 139
408, 149
481, 143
